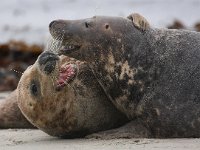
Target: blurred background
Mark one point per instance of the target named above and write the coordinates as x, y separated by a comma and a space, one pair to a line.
24, 25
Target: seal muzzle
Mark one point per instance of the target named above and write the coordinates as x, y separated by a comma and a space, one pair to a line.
47, 62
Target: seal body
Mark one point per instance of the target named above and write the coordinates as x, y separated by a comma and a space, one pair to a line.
151, 76
10, 114
60, 96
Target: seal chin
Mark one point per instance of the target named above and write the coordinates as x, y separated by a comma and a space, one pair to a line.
67, 72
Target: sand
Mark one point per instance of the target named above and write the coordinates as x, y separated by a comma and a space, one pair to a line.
35, 139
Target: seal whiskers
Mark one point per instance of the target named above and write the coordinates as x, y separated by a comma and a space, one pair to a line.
54, 45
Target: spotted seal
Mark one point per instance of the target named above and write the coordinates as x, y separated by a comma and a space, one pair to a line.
60, 96
151, 75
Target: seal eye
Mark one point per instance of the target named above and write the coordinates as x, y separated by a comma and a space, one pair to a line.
34, 88
107, 26
87, 24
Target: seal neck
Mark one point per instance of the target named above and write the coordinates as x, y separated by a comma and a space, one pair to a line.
124, 72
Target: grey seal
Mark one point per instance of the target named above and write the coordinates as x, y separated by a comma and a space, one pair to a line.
151, 75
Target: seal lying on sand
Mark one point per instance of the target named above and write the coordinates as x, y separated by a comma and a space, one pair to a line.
61, 96
152, 76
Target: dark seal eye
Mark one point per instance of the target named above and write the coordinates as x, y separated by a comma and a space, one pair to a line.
87, 24
34, 88
107, 26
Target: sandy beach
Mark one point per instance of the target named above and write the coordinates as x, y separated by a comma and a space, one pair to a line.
36, 139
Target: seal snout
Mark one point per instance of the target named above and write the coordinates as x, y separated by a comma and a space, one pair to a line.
51, 23
47, 62
57, 29
58, 25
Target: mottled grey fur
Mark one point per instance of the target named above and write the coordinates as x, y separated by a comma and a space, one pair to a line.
170, 107
160, 90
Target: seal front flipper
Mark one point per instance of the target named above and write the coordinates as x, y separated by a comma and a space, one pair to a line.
10, 114
139, 21
133, 129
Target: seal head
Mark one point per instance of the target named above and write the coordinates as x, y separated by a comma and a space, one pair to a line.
60, 96
87, 35
116, 49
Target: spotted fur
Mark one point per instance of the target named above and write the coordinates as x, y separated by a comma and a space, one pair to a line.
150, 75
79, 108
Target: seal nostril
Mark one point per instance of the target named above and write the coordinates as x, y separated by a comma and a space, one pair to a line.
47, 62
46, 57
49, 67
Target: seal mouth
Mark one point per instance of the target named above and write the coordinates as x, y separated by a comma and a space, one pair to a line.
66, 73
68, 48
68, 69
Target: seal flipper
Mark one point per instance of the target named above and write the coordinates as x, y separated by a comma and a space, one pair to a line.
139, 21
10, 114
133, 129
